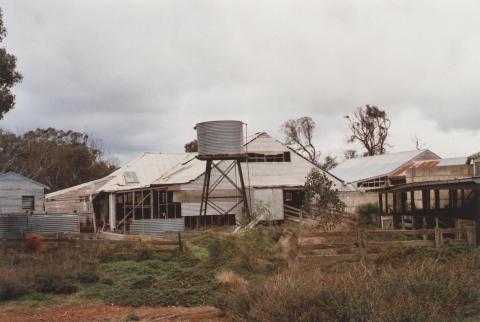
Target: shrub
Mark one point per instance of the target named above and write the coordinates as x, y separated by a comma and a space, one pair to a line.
143, 282
34, 243
10, 287
132, 317
321, 200
88, 277
365, 213
49, 282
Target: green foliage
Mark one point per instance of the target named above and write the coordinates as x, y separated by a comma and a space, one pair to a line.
33, 296
254, 253
191, 146
125, 274
9, 76
43, 153
365, 214
321, 200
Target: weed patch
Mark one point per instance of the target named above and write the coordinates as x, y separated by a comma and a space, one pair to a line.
421, 288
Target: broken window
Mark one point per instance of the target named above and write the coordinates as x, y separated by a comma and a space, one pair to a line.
166, 207
28, 202
259, 157
374, 183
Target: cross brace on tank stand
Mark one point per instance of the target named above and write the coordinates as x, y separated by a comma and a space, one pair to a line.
225, 174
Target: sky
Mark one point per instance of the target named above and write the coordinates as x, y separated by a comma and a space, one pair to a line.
139, 74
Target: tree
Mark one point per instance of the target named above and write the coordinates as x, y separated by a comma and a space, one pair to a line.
191, 146
418, 143
57, 158
8, 75
321, 200
350, 154
370, 127
299, 134
328, 163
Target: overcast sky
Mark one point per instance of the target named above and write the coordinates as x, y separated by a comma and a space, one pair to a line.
139, 74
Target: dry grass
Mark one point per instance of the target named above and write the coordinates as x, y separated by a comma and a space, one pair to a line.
35, 268
232, 281
419, 289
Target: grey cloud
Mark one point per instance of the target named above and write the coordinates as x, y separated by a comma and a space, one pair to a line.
140, 74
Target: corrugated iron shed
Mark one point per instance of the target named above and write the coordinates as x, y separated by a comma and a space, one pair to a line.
366, 168
159, 169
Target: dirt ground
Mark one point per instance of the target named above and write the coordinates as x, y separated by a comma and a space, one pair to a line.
71, 311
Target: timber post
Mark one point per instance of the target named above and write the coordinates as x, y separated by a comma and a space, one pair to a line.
477, 218
362, 251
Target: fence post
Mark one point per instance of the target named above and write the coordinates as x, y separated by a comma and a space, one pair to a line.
438, 238
361, 245
468, 236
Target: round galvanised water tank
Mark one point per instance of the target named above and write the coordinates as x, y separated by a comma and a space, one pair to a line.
220, 138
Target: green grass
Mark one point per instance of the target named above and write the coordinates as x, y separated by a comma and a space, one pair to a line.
187, 279
174, 281
139, 274
33, 297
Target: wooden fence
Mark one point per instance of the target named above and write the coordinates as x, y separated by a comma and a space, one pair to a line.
59, 239
358, 245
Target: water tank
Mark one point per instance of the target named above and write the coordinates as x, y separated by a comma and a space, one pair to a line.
220, 138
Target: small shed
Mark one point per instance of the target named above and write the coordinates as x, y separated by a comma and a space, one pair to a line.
20, 194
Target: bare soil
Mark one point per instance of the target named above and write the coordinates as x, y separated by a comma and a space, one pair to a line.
104, 312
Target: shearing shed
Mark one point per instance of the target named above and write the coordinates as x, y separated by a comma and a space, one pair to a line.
163, 191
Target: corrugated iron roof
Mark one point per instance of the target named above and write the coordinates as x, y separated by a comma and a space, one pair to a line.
148, 167
18, 175
453, 161
417, 164
365, 168
157, 169
256, 174
428, 164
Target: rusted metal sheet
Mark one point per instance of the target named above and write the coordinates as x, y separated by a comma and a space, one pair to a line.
156, 226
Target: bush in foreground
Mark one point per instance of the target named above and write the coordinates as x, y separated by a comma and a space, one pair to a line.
419, 290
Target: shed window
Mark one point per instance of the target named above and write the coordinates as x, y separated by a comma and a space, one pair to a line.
28, 202
259, 157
